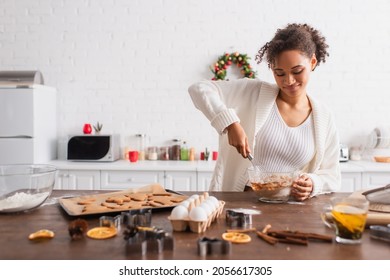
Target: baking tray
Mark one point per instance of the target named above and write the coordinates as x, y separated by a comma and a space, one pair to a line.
149, 197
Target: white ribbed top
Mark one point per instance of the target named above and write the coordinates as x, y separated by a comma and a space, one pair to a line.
280, 148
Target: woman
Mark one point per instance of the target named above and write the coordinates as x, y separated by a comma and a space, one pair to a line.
285, 128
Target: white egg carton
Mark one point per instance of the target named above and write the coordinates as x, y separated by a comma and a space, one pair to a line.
196, 224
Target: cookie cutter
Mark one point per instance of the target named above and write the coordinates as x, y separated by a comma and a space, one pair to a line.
139, 217
380, 232
241, 218
143, 240
213, 246
108, 221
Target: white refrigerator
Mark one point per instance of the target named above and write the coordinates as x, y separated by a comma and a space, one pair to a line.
28, 133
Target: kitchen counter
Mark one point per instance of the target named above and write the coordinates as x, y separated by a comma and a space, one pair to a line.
197, 165
16, 228
144, 165
372, 166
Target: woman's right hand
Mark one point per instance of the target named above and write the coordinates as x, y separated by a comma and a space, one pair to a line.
238, 139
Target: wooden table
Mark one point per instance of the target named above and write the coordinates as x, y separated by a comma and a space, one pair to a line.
15, 228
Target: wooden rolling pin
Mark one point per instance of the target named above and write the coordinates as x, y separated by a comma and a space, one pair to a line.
377, 219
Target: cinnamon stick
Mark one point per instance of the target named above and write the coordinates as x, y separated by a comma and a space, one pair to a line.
300, 235
291, 237
266, 228
269, 239
320, 237
284, 234
292, 240
273, 240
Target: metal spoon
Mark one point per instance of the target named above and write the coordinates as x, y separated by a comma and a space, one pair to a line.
250, 157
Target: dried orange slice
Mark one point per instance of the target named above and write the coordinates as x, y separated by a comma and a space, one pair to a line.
236, 237
102, 232
41, 234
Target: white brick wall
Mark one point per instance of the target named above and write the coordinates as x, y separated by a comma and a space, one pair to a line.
128, 64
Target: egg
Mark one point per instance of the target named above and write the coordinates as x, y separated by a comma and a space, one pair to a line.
194, 196
191, 206
210, 204
213, 200
180, 212
185, 203
207, 207
195, 199
198, 214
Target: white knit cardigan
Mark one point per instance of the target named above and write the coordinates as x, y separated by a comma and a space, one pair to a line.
250, 101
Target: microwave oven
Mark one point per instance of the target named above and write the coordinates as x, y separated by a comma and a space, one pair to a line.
93, 147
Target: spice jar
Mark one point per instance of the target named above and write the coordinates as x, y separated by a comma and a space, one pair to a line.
141, 146
126, 151
164, 153
152, 153
184, 151
176, 150
191, 155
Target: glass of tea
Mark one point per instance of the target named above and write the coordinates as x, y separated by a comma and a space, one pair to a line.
347, 216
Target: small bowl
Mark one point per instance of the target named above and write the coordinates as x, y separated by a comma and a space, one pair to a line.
272, 187
382, 159
25, 187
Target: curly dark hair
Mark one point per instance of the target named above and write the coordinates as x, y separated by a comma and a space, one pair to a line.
301, 37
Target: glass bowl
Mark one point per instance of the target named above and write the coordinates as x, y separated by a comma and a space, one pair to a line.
24, 187
272, 187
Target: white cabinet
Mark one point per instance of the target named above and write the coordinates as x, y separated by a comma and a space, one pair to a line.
78, 179
61, 180
351, 181
180, 180
189, 176
203, 180
373, 180
123, 179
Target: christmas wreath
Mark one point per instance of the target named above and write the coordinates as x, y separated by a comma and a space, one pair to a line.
224, 61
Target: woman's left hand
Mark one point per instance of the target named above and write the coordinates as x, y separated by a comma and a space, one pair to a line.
302, 188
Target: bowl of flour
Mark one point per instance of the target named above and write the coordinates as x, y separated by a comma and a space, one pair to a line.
24, 187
